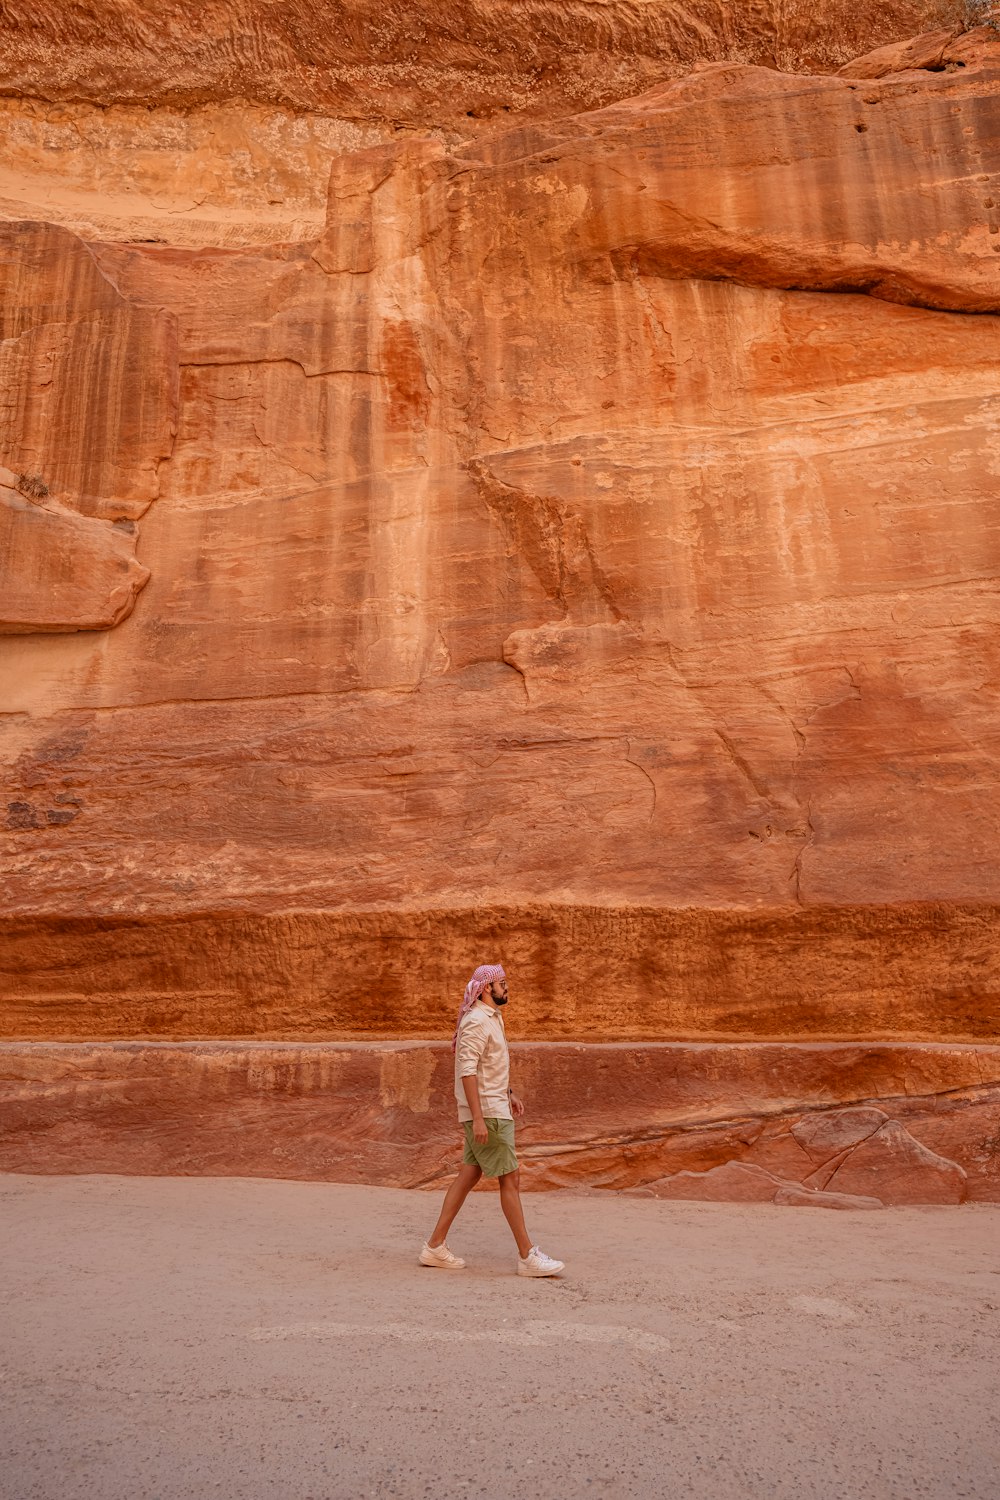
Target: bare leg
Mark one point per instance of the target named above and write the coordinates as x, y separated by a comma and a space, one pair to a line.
510, 1202
456, 1195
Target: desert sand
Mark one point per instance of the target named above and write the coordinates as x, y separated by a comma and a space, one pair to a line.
178, 1338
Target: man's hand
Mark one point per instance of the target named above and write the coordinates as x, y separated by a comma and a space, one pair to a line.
480, 1134
517, 1108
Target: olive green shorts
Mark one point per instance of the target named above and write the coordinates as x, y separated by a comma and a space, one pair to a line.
496, 1156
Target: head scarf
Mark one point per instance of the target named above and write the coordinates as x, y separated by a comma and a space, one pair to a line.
484, 976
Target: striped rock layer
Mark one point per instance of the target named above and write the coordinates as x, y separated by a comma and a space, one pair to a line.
562, 532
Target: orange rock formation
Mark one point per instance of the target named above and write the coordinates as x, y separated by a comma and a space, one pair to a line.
579, 549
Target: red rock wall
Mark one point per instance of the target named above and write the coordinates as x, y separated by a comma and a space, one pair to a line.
422, 62
889, 1122
595, 974
581, 550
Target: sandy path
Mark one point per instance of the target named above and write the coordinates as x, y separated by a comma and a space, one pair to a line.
235, 1338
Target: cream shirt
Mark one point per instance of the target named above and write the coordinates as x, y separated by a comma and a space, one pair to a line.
482, 1050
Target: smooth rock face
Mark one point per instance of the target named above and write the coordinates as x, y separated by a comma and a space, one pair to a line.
89, 378
823, 1137
578, 550
900, 1169
223, 172
695, 179
800, 1197
735, 1182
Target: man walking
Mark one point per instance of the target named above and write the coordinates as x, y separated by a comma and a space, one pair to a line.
486, 1108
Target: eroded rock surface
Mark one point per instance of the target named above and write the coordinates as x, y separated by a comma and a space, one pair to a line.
414, 61
676, 1120
89, 379
580, 549
63, 571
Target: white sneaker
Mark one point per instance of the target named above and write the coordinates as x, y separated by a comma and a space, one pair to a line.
442, 1257
537, 1263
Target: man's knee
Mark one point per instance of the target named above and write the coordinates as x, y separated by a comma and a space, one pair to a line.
511, 1179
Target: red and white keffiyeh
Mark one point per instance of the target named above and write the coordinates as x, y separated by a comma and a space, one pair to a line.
484, 976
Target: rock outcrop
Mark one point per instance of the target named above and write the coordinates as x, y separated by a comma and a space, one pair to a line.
90, 379
63, 571
216, 127
580, 549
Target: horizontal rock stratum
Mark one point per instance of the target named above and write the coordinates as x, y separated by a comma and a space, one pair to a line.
427, 61
571, 540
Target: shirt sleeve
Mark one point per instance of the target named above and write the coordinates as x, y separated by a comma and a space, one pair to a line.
471, 1045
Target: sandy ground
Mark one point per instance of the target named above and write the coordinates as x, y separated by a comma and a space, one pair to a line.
235, 1338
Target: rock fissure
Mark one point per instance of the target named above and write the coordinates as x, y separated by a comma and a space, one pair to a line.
640, 767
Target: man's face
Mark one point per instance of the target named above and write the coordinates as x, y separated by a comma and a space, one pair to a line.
498, 990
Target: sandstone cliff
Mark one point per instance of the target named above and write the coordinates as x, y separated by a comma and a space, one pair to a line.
215, 124
581, 546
